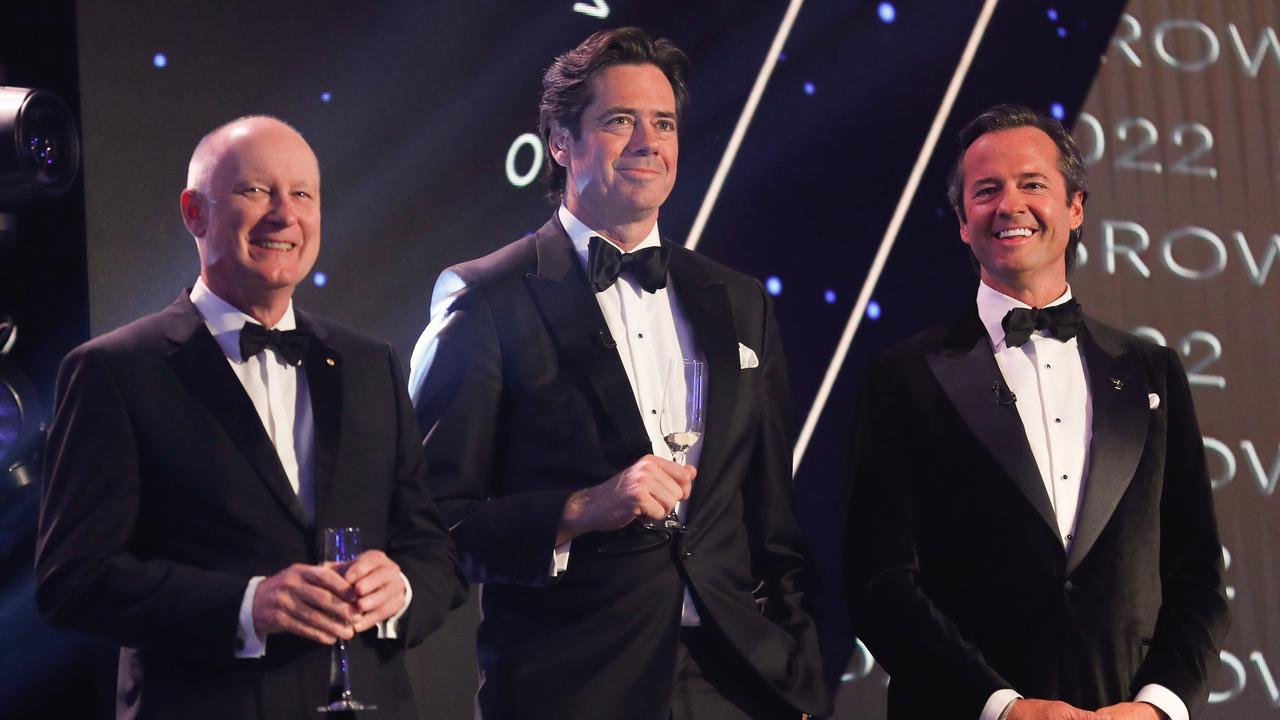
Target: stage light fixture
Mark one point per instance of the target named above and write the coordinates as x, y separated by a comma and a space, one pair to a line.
39, 146
21, 426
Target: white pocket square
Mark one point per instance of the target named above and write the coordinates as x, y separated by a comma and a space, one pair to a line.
747, 357
1153, 400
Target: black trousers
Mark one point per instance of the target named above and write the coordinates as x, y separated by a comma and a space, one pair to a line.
714, 683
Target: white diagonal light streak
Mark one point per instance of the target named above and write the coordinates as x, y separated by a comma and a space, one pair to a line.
891, 232
744, 120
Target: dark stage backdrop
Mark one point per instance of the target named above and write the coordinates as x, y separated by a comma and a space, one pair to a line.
421, 114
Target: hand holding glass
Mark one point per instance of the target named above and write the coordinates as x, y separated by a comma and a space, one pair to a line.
680, 421
342, 545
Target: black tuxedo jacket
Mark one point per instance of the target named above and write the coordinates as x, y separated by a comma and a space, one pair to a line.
958, 582
523, 400
164, 496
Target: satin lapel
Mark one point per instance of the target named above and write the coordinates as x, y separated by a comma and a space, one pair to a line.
199, 362
705, 303
967, 377
1121, 415
569, 308
323, 366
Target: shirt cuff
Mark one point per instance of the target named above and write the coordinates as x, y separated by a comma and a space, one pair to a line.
996, 704
1165, 699
560, 559
248, 644
389, 629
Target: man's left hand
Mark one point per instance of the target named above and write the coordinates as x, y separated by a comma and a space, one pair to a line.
1133, 711
378, 586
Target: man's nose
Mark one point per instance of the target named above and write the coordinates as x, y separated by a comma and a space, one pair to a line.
642, 141
282, 211
1010, 203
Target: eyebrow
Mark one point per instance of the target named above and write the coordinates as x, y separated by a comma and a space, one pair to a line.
1023, 176
619, 110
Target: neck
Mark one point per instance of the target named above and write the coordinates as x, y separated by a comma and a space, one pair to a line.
626, 233
1035, 294
265, 308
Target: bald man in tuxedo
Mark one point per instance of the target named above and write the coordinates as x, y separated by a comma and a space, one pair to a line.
197, 455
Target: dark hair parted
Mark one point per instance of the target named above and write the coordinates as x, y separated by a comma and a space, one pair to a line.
1009, 117
566, 85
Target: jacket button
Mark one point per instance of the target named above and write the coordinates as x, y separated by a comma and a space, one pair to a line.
686, 555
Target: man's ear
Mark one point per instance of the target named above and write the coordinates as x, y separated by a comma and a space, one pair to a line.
1076, 207
964, 230
559, 140
195, 212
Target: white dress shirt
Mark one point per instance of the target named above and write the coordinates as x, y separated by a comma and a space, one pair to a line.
280, 394
649, 329
1049, 379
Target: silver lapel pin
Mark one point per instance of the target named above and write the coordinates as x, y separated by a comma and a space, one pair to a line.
1118, 384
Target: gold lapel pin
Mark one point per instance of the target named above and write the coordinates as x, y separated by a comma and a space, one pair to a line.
1119, 384
329, 361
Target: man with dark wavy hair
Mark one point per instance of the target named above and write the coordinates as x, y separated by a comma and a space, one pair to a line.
1031, 529
538, 385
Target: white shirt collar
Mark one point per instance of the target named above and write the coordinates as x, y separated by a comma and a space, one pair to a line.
581, 235
224, 320
993, 305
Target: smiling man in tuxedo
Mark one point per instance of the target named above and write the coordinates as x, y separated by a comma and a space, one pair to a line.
1031, 533
197, 454
537, 384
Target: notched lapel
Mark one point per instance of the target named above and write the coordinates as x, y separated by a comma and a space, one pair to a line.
566, 303
1121, 414
967, 378
199, 362
705, 303
323, 366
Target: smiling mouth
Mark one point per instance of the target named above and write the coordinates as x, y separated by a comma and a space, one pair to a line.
276, 245
1014, 233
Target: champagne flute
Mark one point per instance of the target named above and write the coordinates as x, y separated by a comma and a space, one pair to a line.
680, 421
342, 545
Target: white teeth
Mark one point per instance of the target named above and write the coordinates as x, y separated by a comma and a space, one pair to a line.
1015, 232
272, 245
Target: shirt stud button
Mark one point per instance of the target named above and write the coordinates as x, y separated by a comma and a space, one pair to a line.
1057, 420
1064, 477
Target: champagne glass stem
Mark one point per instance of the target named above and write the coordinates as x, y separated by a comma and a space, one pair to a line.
346, 673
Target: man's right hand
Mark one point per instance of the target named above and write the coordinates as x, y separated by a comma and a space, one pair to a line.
650, 488
308, 600
1031, 709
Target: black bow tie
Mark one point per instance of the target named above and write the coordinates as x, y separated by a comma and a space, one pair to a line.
291, 344
605, 263
1062, 322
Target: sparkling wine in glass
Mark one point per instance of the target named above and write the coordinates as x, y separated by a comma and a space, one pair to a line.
680, 419
342, 545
